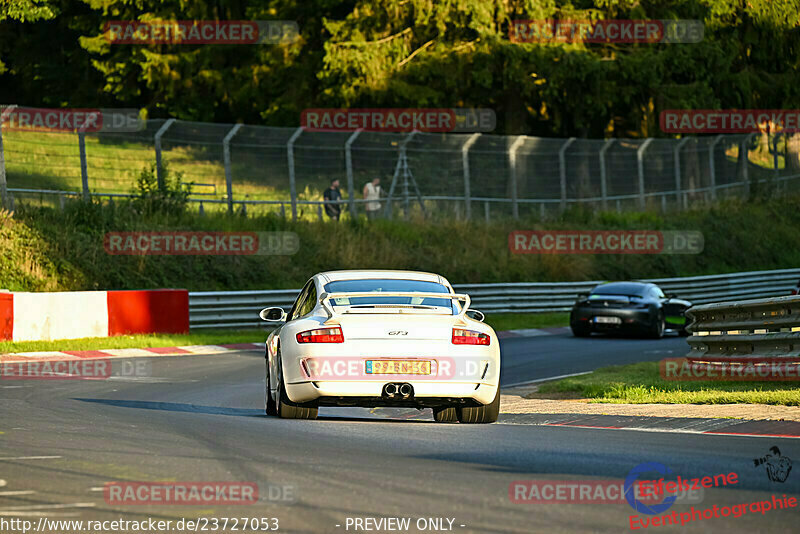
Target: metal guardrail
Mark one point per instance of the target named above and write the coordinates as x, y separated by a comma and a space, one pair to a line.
239, 309
746, 331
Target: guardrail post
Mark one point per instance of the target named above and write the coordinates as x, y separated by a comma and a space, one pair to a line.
562, 171
486, 210
465, 166
157, 141
512, 165
712, 170
348, 162
603, 184
677, 163
226, 157
292, 183
640, 168
84, 167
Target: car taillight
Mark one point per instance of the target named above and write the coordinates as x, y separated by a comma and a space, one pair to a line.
321, 335
469, 337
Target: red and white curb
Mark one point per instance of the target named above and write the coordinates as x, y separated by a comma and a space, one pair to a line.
188, 350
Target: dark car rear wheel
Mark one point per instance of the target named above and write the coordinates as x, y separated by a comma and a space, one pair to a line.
656, 330
581, 330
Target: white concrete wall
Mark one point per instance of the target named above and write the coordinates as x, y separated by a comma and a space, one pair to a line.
68, 315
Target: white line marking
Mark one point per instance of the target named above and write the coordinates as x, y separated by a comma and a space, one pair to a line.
37, 514
14, 387
543, 380
661, 430
97, 489
2, 482
30, 457
51, 506
10, 493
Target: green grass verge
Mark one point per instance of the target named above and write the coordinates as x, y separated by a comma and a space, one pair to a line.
205, 337
45, 249
515, 321
641, 383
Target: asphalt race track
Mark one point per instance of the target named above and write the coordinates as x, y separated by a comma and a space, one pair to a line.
200, 418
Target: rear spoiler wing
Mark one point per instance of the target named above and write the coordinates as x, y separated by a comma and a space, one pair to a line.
325, 298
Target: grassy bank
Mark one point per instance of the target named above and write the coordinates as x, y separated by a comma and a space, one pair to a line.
46, 249
206, 337
641, 383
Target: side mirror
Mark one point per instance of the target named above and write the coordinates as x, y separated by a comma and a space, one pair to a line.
582, 296
672, 296
475, 314
273, 315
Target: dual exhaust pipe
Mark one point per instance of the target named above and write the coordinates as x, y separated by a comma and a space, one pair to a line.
398, 390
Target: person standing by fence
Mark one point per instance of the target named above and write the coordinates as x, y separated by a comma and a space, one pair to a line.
372, 193
332, 196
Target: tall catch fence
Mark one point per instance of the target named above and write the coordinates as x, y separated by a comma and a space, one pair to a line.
227, 166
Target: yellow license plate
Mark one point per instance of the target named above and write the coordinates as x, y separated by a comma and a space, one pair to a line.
398, 367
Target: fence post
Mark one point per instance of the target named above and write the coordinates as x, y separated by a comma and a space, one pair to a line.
3, 183
292, 184
465, 166
603, 183
84, 167
743, 148
226, 157
486, 210
157, 139
562, 171
712, 170
676, 156
4, 199
348, 161
512, 165
640, 166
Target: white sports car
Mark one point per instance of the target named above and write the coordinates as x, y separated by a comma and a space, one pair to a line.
382, 338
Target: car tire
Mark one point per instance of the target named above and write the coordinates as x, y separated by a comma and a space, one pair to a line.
270, 406
487, 413
445, 414
292, 410
580, 331
656, 330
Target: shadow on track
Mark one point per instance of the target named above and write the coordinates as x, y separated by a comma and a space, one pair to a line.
178, 407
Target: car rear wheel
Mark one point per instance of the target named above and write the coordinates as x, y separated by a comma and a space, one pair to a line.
487, 413
445, 414
270, 406
580, 331
288, 409
657, 329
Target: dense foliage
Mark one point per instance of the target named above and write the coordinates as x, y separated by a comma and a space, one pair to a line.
398, 53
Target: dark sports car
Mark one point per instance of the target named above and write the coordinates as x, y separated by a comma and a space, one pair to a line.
635, 307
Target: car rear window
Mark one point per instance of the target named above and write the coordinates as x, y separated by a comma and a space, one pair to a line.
379, 285
620, 289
